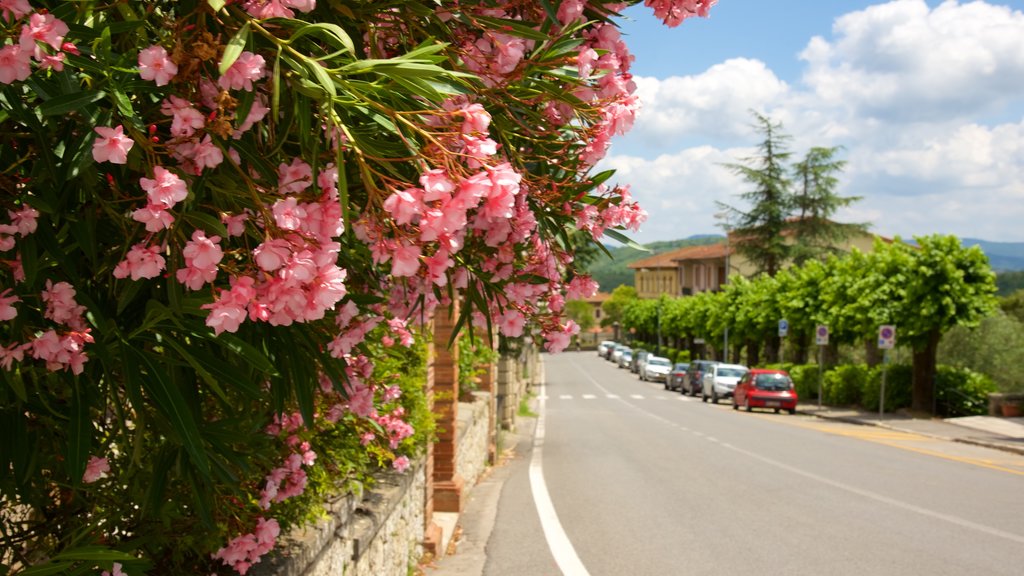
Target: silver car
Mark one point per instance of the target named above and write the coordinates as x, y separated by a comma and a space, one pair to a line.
720, 381
656, 369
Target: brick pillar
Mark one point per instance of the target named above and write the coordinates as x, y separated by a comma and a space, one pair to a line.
488, 383
447, 482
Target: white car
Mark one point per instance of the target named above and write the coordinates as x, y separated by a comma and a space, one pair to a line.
656, 368
605, 347
720, 381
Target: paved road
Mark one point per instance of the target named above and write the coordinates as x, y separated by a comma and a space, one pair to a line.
644, 481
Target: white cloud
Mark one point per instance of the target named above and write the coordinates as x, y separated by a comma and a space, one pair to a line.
902, 61
928, 104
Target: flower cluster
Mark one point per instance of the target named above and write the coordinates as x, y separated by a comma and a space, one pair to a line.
236, 198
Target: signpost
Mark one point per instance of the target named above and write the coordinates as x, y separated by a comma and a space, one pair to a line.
886, 342
821, 338
783, 328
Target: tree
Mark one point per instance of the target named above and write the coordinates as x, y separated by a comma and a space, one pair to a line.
757, 234
615, 305
815, 201
947, 285
582, 313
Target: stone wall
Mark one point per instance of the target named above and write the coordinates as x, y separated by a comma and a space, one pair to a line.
377, 533
380, 532
473, 437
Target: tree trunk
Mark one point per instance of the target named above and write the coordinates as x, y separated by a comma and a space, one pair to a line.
771, 349
872, 354
800, 342
924, 375
753, 353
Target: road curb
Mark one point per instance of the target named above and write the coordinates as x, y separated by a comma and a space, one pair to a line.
971, 441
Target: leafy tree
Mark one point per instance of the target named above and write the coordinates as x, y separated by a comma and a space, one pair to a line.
1013, 305
581, 312
994, 348
1010, 282
946, 285
758, 232
615, 305
815, 202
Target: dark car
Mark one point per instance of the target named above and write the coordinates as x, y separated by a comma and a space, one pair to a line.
761, 388
676, 376
639, 358
693, 383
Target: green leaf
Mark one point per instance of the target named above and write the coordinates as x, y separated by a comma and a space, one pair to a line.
620, 237
182, 351
80, 434
248, 352
66, 103
333, 33
174, 408
206, 222
234, 48
216, 5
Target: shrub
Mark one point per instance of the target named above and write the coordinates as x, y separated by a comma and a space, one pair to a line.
898, 387
805, 381
844, 385
961, 392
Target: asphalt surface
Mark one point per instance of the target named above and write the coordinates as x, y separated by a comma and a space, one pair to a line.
645, 481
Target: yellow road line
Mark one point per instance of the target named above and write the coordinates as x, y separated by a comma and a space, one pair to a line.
886, 438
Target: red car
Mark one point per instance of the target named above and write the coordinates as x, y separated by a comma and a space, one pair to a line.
762, 388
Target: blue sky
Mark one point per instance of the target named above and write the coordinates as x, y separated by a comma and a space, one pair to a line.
926, 99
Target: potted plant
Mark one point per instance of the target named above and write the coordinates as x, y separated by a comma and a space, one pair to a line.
1011, 408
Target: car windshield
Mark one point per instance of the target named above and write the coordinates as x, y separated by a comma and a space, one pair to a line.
680, 367
731, 372
658, 362
773, 382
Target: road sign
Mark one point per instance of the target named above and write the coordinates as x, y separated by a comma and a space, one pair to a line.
783, 328
821, 335
887, 337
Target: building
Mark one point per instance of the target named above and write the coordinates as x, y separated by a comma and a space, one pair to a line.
694, 269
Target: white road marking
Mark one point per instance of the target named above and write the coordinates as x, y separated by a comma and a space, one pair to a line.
612, 396
636, 396
565, 397
589, 396
561, 548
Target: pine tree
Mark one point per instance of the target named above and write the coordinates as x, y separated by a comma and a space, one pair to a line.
815, 202
758, 233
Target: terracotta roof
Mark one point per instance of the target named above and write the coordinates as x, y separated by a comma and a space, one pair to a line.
703, 252
663, 260
598, 298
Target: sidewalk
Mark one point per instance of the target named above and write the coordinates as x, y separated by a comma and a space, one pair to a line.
999, 433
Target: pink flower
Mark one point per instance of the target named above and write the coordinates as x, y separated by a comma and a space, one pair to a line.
360, 400
202, 252
11, 354
288, 214
404, 206
511, 323
294, 177
141, 262
436, 185
405, 260
14, 9
15, 64
155, 217
60, 304
246, 68
235, 224
115, 571
155, 64
7, 309
43, 28
95, 469
437, 265
186, 119
165, 189
475, 119
401, 463
24, 220
112, 145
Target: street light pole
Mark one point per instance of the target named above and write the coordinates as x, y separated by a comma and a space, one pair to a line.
725, 215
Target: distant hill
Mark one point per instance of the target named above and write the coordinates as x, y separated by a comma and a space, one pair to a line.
612, 272
1003, 256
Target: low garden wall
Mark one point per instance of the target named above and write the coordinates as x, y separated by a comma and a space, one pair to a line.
380, 531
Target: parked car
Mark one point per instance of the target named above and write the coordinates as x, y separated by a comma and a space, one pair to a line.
656, 369
626, 358
605, 348
760, 388
720, 381
639, 357
694, 379
675, 378
616, 352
